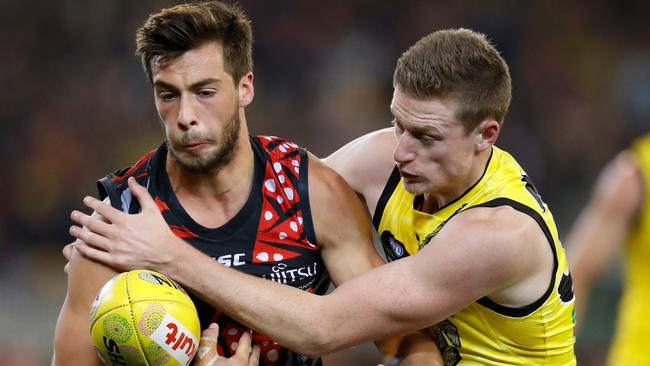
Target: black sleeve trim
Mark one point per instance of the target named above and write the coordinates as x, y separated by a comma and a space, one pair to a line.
528, 309
303, 190
106, 188
393, 181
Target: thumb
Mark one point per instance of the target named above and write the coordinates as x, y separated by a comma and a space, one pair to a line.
207, 353
68, 250
141, 193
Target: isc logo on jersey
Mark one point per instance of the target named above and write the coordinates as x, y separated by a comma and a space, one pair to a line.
232, 260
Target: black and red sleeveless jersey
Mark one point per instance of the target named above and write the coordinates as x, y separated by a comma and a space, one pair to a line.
271, 237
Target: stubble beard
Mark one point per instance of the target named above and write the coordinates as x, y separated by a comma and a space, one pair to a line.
216, 159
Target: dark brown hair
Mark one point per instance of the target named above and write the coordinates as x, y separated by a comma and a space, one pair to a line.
460, 64
176, 30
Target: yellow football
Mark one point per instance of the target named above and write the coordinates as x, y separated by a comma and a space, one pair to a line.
144, 318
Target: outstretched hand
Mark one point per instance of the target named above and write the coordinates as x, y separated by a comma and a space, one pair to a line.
207, 354
124, 241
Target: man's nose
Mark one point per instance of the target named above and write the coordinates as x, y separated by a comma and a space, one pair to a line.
187, 113
405, 148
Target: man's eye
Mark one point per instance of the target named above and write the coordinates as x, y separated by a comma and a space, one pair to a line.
206, 93
166, 96
427, 139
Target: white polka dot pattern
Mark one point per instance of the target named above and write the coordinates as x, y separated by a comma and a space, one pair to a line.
272, 355
263, 256
270, 185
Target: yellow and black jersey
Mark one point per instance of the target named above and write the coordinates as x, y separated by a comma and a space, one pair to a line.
630, 341
485, 332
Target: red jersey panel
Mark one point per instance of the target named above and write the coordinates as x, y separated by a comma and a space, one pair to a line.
271, 237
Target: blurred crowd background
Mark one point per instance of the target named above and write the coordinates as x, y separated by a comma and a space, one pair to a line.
76, 105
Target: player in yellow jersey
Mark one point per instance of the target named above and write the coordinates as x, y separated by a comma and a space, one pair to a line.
477, 263
261, 205
617, 217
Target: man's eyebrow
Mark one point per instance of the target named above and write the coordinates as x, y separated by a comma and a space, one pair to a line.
165, 85
204, 82
196, 85
428, 129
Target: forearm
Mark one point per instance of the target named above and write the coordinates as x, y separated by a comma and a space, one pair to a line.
70, 346
278, 311
366, 308
357, 311
70, 353
72, 341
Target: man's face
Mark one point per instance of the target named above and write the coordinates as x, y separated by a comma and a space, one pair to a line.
198, 104
434, 154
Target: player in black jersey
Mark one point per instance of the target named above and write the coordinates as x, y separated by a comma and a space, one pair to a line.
261, 204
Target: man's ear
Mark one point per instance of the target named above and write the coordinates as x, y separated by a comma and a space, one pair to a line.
487, 134
246, 89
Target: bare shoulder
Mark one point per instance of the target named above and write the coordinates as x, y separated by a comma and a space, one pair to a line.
336, 209
366, 163
503, 228
327, 188
508, 253
341, 224
323, 177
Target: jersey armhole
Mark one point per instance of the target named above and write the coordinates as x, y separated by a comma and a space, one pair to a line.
105, 189
303, 191
526, 310
393, 180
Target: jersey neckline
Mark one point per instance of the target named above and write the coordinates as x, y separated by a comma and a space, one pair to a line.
236, 223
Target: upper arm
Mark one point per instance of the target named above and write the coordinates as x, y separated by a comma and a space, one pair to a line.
341, 224
72, 342
366, 164
471, 257
606, 219
495, 252
344, 230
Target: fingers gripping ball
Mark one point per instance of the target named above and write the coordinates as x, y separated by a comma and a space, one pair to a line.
144, 318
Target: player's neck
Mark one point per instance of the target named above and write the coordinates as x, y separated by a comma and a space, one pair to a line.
434, 201
224, 191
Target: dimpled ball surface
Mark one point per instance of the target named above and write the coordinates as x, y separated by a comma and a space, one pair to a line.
143, 317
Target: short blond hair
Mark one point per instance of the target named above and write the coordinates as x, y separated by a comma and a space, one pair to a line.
460, 64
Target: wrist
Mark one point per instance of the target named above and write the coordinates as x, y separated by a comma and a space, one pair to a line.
181, 261
172, 261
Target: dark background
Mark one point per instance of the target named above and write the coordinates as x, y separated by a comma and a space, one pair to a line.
76, 105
